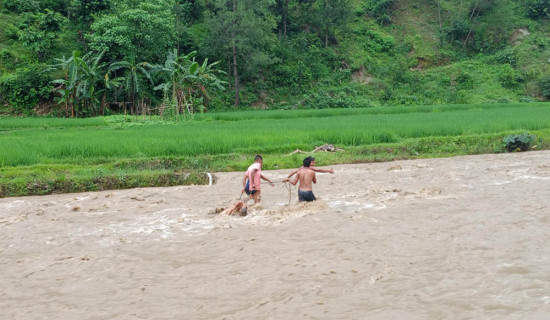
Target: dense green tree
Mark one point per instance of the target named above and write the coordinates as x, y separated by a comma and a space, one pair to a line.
60, 6
22, 5
36, 5
282, 11
332, 15
135, 31
186, 13
381, 10
40, 30
538, 9
83, 11
25, 88
241, 32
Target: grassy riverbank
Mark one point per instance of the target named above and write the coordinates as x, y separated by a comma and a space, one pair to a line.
45, 155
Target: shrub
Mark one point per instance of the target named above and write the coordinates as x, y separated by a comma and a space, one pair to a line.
22, 5
538, 9
506, 55
379, 42
329, 99
457, 30
518, 142
380, 10
464, 80
25, 88
5, 56
545, 87
527, 99
509, 77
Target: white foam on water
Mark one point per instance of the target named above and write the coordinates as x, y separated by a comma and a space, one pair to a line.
13, 204
352, 206
519, 178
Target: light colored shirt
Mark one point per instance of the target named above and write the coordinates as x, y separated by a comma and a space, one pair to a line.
257, 176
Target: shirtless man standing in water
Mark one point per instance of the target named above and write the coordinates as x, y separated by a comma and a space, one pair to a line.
306, 176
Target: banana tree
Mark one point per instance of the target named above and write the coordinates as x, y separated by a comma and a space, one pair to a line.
205, 79
132, 80
110, 84
188, 80
67, 85
174, 72
92, 73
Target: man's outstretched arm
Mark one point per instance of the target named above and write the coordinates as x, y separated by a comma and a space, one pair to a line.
323, 170
266, 179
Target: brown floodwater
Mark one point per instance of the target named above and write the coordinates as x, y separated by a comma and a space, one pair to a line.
454, 238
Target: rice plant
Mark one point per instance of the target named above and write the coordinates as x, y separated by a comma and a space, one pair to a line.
47, 140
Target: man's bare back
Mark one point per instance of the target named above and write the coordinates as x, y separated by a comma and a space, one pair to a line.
306, 176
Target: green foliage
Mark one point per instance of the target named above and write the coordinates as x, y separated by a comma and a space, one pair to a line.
330, 16
79, 86
83, 11
378, 42
186, 82
60, 6
457, 30
538, 9
518, 142
133, 80
134, 32
40, 30
25, 88
323, 99
381, 10
490, 50
247, 30
545, 87
36, 5
296, 76
509, 77
464, 80
506, 56
22, 5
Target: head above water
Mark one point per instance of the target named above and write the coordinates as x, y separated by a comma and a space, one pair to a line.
307, 161
243, 211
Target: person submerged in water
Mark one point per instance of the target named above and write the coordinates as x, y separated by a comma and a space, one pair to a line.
239, 207
306, 176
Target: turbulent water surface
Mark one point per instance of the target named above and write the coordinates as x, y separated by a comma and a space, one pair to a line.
455, 238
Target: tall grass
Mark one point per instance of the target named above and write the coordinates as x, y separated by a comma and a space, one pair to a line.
96, 141
315, 113
8, 123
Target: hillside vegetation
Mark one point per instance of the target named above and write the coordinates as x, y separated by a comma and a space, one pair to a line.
77, 58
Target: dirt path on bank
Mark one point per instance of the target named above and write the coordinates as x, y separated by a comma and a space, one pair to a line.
454, 238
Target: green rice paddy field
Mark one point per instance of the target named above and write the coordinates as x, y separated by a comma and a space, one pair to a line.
46, 155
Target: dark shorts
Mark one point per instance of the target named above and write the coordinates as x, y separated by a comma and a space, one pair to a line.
247, 189
306, 196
